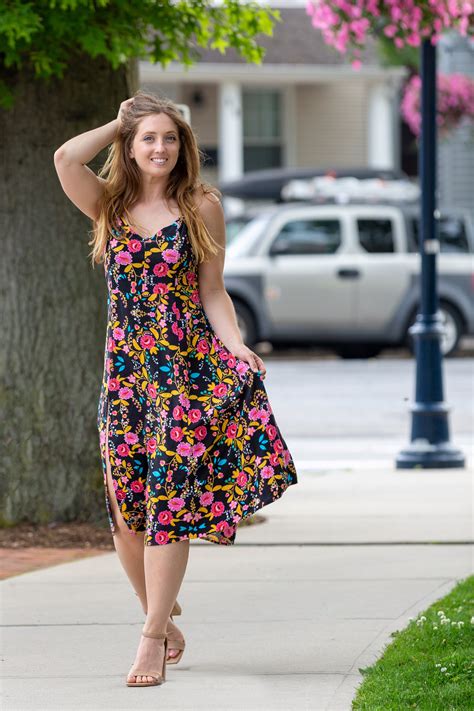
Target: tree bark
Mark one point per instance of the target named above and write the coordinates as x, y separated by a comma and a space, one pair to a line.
53, 302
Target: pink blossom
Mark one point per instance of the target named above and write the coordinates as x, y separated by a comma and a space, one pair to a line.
131, 438
198, 449
151, 445
206, 498
113, 384
176, 504
151, 390
161, 538
125, 393
220, 390
170, 255
136, 486
147, 341
184, 449
165, 517
160, 269
118, 334
194, 415
123, 257
217, 508
134, 245
200, 432
176, 434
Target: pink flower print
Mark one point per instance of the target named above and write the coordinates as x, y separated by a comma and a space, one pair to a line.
219, 390
123, 258
113, 384
200, 432
228, 530
242, 367
120, 494
202, 346
231, 431
151, 390
175, 327
178, 412
165, 517
198, 449
102, 437
194, 415
176, 504
123, 450
195, 298
160, 288
241, 479
271, 431
125, 393
151, 445
160, 269
111, 344
170, 255
184, 401
191, 277
176, 434
161, 538
217, 508
253, 413
147, 341
180, 334
233, 504
267, 472
118, 334
207, 498
134, 245
136, 486
264, 416
184, 449
187, 517
273, 459
131, 438
278, 446
221, 525
231, 361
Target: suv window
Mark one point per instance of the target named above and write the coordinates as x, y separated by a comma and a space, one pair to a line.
452, 235
375, 235
308, 237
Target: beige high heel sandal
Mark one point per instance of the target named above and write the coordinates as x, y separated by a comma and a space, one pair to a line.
175, 642
158, 676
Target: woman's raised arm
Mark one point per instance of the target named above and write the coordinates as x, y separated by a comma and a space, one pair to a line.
82, 186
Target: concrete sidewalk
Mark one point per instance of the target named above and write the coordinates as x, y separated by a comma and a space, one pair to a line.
282, 620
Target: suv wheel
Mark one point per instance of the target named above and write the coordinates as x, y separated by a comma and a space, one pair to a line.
246, 323
453, 329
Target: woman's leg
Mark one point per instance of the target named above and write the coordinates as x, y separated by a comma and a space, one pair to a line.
129, 546
130, 550
164, 572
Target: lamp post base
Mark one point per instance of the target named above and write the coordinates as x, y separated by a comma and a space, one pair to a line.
422, 454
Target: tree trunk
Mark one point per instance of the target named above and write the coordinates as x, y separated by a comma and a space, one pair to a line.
53, 302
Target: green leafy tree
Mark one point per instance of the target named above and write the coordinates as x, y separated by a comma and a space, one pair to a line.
66, 67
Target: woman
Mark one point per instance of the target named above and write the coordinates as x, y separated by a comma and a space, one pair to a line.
188, 440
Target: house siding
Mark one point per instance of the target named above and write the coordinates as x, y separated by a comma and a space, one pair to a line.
331, 124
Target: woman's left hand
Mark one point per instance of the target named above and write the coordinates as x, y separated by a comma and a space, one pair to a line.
256, 363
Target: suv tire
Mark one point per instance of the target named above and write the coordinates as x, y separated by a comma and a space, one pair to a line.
454, 329
246, 323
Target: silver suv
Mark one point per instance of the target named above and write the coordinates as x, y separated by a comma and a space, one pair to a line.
345, 276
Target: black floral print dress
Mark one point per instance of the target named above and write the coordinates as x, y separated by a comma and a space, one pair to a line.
187, 427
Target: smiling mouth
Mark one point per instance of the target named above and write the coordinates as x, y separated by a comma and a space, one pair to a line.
159, 161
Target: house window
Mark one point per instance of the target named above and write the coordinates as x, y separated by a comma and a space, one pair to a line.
262, 114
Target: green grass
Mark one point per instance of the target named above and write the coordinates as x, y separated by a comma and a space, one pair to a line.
430, 664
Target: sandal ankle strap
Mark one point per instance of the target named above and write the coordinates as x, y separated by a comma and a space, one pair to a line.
155, 635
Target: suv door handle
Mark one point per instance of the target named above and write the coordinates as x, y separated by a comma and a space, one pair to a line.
348, 273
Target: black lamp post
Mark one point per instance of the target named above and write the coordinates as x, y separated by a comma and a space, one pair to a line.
430, 447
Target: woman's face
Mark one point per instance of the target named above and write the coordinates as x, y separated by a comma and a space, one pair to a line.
155, 146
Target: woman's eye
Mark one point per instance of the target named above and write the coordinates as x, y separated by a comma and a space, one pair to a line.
147, 137
172, 138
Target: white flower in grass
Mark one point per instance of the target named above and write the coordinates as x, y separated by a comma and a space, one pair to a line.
443, 669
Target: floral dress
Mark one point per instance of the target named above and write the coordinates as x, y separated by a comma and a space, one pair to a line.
187, 427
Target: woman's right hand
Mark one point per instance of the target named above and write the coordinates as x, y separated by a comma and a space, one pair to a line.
123, 107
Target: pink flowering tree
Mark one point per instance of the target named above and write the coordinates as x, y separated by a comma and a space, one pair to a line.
455, 103
347, 24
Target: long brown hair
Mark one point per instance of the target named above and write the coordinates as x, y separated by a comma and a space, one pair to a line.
123, 180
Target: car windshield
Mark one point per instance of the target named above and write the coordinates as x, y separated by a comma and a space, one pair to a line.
244, 239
